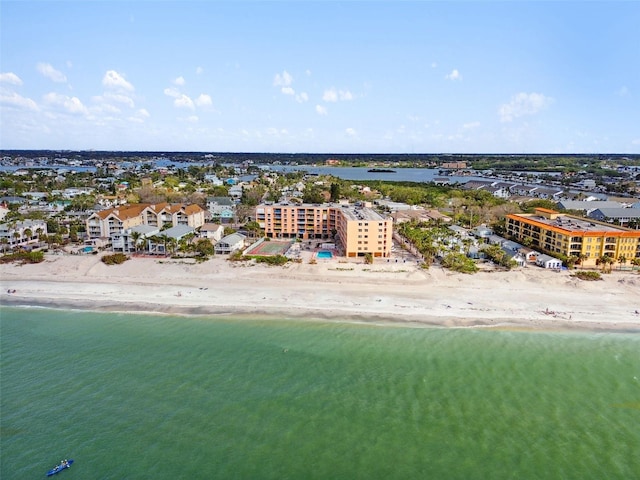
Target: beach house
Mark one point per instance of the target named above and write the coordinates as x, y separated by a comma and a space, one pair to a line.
230, 243
222, 209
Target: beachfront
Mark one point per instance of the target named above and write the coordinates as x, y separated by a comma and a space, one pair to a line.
347, 291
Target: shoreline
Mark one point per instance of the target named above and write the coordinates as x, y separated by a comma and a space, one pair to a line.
379, 294
549, 326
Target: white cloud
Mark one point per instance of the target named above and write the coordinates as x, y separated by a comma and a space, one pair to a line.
282, 80
204, 100
179, 81
113, 79
143, 113
321, 110
184, 102
471, 125
11, 78
333, 95
330, 95
307, 72
345, 95
351, 132
51, 73
635, 141
523, 104
302, 97
119, 98
454, 75
104, 107
190, 119
15, 100
171, 92
434, 65
288, 91
70, 104
199, 70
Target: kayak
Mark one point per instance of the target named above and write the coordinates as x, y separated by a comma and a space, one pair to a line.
59, 468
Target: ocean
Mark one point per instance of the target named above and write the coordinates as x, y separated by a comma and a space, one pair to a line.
132, 396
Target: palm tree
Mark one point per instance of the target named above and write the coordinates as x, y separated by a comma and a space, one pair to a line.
39, 232
571, 261
164, 238
154, 240
183, 245
581, 258
622, 260
605, 261
136, 236
28, 233
172, 242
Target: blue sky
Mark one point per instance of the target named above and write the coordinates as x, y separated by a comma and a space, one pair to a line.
324, 76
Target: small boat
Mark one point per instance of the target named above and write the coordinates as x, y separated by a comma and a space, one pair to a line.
381, 170
58, 468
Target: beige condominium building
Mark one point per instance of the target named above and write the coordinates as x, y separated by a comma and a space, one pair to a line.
568, 235
112, 221
356, 229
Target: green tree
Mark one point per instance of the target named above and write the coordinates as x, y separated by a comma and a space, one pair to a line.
335, 192
204, 248
622, 260
136, 236
313, 194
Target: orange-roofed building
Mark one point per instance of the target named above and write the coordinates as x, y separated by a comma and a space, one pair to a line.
114, 221
568, 235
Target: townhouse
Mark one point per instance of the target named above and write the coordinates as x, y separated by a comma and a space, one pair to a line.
114, 221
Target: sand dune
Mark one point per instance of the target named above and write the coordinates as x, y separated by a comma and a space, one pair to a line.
382, 292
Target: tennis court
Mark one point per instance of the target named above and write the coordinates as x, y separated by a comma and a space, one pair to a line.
269, 248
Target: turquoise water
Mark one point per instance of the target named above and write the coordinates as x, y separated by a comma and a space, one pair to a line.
135, 396
324, 254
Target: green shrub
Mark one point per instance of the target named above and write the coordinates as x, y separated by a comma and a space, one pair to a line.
459, 262
238, 256
115, 259
275, 260
23, 257
587, 275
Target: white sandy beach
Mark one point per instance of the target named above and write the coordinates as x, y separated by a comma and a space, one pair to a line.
382, 292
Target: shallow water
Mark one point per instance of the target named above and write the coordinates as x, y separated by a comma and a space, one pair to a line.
142, 396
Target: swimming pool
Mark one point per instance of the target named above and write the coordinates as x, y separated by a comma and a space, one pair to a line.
87, 249
324, 254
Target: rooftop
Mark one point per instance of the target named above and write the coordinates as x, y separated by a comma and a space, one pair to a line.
569, 223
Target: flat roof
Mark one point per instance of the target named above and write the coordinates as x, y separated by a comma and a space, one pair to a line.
569, 223
361, 213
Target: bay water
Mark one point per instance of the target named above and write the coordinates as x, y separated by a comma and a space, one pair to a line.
133, 396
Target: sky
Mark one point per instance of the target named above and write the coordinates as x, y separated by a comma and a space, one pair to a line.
321, 76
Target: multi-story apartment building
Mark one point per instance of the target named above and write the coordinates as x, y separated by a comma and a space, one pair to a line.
568, 235
22, 233
357, 230
114, 221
